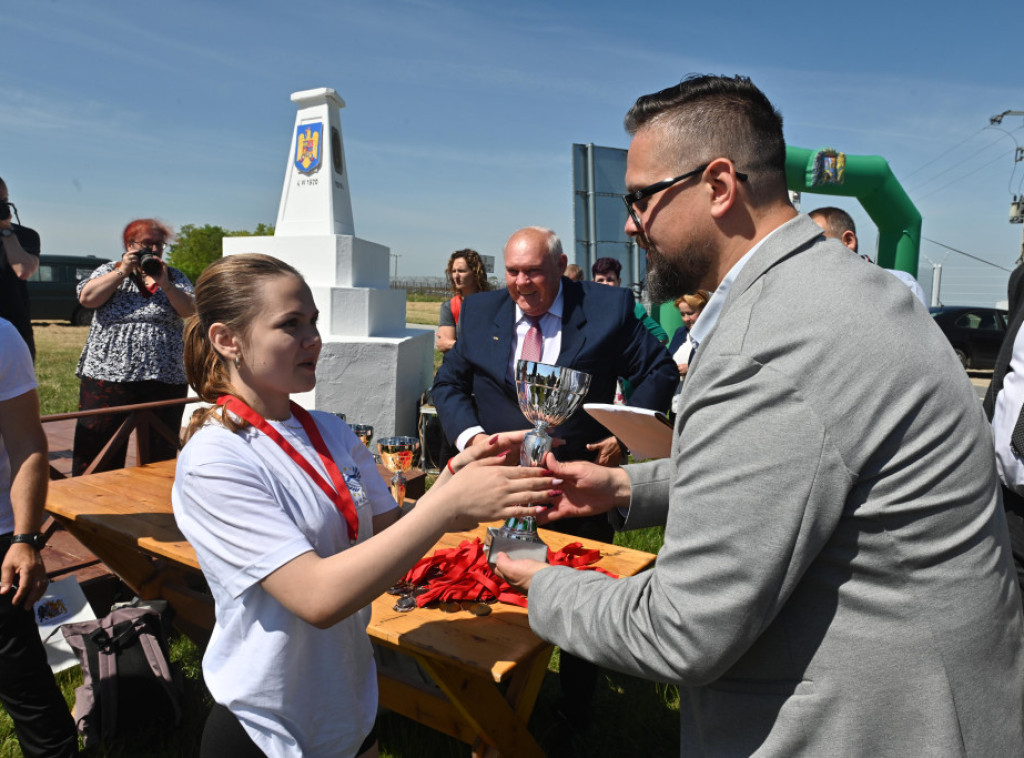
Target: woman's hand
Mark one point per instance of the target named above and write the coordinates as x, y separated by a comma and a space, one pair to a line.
683, 368
162, 278
486, 490
130, 263
505, 444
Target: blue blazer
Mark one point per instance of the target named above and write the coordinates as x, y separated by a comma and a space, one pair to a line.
600, 335
677, 340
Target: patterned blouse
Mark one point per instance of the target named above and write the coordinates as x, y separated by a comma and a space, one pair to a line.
135, 338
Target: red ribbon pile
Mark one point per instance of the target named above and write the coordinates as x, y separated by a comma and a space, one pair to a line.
462, 573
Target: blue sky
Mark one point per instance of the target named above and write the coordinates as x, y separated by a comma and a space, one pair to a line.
461, 115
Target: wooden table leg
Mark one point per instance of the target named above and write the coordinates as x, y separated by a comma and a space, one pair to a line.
479, 702
151, 578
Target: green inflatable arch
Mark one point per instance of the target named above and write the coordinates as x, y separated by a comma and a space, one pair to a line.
872, 182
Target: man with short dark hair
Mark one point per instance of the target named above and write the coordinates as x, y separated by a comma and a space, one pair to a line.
835, 577
609, 271
19, 259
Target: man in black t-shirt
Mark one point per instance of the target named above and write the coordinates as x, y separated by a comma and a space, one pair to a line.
19, 259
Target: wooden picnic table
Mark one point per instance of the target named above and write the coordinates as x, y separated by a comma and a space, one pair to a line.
487, 669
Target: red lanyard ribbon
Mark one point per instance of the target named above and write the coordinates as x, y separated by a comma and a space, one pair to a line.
338, 494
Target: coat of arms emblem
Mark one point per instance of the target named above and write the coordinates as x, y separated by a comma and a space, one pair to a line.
308, 147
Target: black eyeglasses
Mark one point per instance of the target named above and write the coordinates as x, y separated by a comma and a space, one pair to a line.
630, 198
150, 245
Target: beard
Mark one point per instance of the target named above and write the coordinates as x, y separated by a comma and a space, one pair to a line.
669, 279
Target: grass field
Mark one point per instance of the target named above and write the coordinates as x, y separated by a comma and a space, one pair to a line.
633, 717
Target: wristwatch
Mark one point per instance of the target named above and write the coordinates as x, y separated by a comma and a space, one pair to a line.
6, 233
36, 540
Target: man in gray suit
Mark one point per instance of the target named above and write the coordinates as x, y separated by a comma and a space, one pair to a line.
836, 576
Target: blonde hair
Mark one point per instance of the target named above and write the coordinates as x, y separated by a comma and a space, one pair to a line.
227, 292
696, 300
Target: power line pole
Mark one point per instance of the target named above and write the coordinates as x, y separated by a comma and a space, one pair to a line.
1017, 205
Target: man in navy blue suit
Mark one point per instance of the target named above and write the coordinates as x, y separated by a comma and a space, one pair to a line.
585, 326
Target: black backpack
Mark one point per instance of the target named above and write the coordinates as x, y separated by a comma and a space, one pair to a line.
128, 684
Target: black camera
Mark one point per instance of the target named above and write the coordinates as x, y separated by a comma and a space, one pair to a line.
5, 211
150, 264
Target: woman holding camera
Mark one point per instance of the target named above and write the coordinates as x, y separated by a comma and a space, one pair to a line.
134, 351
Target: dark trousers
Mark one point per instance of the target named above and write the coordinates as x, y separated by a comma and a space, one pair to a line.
1014, 507
578, 678
93, 432
224, 736
28, 691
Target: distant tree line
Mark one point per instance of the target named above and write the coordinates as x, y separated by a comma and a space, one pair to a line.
196, 247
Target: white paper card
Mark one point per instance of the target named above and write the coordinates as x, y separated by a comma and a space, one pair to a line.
63, 603
646, 433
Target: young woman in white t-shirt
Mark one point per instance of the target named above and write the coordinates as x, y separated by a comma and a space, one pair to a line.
294, 529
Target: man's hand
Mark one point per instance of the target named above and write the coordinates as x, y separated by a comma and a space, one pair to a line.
608, 452
519, 573
587, 489
23, 567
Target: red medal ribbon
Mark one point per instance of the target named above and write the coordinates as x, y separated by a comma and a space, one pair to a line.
462, 573
338, 494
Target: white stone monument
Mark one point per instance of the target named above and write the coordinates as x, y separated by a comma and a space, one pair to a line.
372, 367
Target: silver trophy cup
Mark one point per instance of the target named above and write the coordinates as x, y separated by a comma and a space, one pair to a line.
548, 396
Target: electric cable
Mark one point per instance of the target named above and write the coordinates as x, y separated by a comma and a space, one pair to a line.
943, 154
960, 162
974, 257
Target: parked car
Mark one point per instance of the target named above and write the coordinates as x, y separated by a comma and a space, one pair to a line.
975, 333
52, 289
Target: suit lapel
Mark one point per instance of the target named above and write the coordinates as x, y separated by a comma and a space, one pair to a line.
573, 322
502, 340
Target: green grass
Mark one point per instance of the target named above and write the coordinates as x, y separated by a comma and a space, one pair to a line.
632, 716
58, 346
419, 297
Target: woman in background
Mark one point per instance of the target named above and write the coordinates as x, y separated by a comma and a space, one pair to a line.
690, 307
133, 353
294, 529
467, 276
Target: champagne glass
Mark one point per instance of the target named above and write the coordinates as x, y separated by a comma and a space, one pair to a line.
398, 454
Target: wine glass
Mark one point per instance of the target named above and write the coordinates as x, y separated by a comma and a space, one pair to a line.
398, 454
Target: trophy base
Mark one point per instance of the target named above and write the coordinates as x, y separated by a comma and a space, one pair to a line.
496, 543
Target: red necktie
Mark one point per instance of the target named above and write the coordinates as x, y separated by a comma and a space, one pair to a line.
533, 344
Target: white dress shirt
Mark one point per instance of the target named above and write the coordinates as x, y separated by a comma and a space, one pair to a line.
1004, 418
551, 330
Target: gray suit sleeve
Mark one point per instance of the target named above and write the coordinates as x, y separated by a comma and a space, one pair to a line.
754, 490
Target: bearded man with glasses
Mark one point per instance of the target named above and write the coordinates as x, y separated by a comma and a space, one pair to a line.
836, 575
